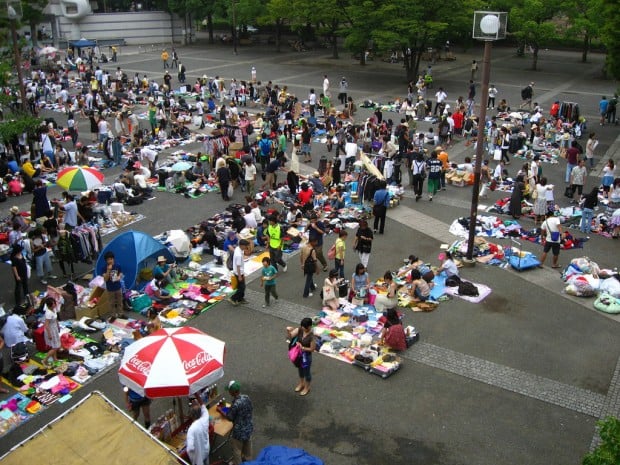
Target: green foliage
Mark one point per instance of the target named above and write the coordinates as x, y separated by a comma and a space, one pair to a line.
608, 452
610, 36
18, 123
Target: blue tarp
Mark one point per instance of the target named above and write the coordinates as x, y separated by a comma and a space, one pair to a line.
280, 455
133, 250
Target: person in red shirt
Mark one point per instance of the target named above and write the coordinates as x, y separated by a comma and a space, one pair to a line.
305, 196
458, 118
572, 160
555, 109
15, 186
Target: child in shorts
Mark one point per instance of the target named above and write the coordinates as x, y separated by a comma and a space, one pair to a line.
268, 280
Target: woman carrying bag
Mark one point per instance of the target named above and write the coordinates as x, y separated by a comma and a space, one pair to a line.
303, 338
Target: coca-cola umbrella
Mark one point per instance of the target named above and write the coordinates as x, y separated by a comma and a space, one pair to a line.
172, 362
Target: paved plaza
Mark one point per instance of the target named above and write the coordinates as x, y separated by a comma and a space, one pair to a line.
520, 378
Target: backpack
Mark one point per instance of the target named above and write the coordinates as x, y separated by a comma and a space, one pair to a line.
453, 281
467, 288
525, 93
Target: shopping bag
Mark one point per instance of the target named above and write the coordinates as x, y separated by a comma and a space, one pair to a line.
231, 190
328, 293
497, 154
331, 253
568, 192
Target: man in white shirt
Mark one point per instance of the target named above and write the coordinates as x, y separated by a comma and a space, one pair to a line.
149, 156
492, 94
239, 272
249, 175
197, 442
312, 102
440, 97
552, 232
326, 86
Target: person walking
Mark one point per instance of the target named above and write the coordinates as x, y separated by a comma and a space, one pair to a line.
51, 331
434, 166
43, 262
135, 402
239, 271
113, 277
474, 69
342, 90
418, 169
527, 94
316, 230
241, 415
590, 147
578, 177
590, 201
268, 280
341, 247
303, 337
381, 200
19, 267
552, 233
249, 176
223, 177
492, 94
308, 261
274, 236
363, 242
197, 442
603, 105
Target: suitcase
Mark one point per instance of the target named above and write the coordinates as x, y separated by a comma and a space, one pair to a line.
39, 339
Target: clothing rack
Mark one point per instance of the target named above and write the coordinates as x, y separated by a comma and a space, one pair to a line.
569, 111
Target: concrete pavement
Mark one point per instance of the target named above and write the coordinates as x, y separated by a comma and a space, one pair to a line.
520, 378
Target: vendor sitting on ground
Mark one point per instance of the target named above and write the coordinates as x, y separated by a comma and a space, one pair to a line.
330, 290
294, 216
337, 199
448, 267
393, 334
420, 290
168, 272
360, 281
155, 289
389, 299
154, 322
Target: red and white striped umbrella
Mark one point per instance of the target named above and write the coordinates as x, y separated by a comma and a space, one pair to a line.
172, 362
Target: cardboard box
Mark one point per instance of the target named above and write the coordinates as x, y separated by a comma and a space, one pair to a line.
96, 306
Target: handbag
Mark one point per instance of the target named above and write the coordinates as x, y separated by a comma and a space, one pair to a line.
331, 253
497, 154
294, 352
328, 293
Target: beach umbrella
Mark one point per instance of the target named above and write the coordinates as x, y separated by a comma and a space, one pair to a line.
181, 166
172, 362
79, 178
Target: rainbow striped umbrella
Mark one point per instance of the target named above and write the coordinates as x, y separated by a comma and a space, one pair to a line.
79, 178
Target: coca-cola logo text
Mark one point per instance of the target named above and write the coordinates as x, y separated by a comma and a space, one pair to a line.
139, 365
201, 358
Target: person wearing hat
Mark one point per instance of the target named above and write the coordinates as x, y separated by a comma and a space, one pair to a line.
168, 272
18, 220
240, 413
197, 442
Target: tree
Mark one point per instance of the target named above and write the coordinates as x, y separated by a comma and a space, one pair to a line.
608, 452
585, 22
531, 24
277, 12
33, 16
610, 36
407, 26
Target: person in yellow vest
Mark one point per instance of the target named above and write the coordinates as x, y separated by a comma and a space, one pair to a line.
164, 58
94, 87
274, 235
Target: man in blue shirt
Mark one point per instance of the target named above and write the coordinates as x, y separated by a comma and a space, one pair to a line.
240, 414
381, 201
602, 107
265, 151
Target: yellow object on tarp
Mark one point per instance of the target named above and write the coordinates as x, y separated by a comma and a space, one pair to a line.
105, 435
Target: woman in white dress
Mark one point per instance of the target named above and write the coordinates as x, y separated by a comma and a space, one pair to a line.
51, 330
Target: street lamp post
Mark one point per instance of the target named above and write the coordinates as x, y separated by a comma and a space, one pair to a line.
488, 26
